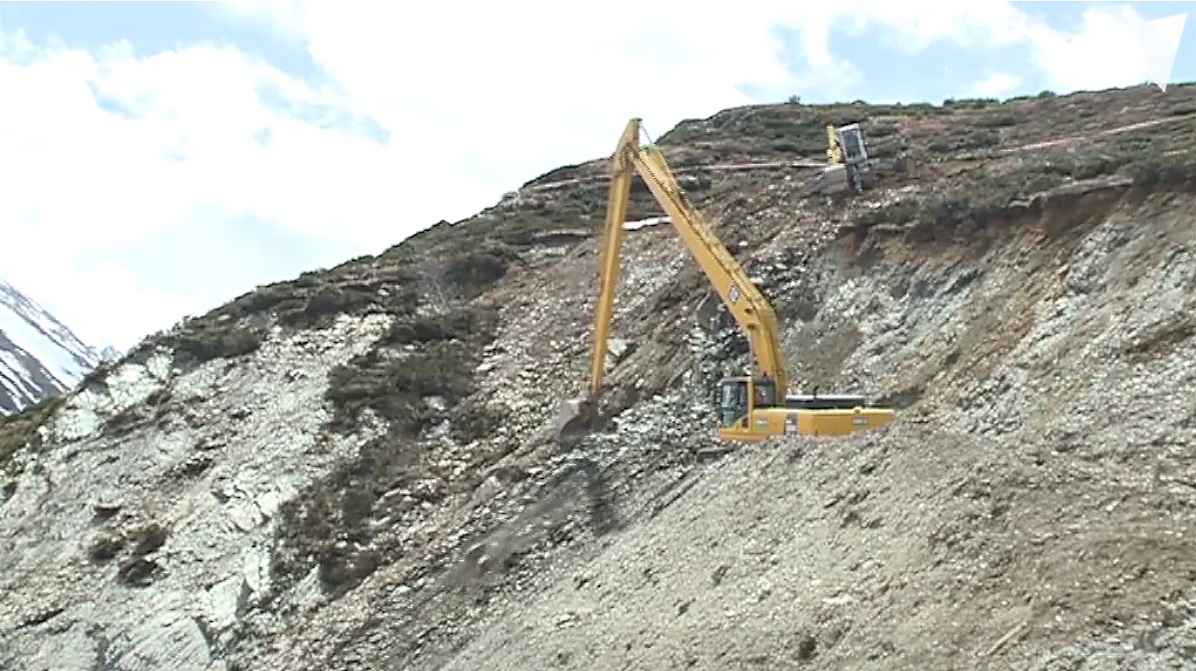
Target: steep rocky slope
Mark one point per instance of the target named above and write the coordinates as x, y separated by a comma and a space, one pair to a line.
352, 470
39, 357
1040, 488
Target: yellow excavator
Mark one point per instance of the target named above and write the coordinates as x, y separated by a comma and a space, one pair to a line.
754, 407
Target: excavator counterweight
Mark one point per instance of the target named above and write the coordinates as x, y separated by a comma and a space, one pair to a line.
752, 407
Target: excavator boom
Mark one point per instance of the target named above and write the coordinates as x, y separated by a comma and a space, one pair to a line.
750, 309
612, 243
747, 305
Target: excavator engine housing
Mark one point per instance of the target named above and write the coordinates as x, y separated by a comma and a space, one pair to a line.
749, 411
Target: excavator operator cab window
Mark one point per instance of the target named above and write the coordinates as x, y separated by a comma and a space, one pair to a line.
851, 138
765, 391
733, 400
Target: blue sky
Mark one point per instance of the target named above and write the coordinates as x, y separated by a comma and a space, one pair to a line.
939, 72
152, 27
946, 70
209, 148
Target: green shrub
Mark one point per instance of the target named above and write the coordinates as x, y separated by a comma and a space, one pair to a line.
329, 524
105, 547
324, 302
879, 130
457, 323
470, 273
970, 103
967, 208
138, 571
977, 139
260, 300
148, 538
202, 341
1084, 167
997, 120
1162, 171
20, 429
395, 388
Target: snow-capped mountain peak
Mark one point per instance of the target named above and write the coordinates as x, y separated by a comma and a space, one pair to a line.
39, 356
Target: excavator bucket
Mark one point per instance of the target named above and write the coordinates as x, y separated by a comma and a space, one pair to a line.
575, 418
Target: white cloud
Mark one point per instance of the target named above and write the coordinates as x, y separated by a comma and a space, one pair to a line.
473, 108
81, 183
996, 85
1105, 53
914, 25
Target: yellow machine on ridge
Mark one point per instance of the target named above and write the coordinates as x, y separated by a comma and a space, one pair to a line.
753, 407
848, 162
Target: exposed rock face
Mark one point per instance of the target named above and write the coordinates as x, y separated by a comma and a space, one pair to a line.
164, 518
354, 472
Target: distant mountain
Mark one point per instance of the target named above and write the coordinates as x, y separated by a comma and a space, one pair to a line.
39, 356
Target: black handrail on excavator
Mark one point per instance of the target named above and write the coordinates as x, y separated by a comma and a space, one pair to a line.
755, 406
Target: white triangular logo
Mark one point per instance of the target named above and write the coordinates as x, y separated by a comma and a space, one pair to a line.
1159, 40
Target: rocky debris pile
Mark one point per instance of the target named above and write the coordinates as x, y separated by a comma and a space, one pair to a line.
829, 537
1165, 644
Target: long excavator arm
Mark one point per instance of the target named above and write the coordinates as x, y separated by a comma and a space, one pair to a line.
750, 309
748, 412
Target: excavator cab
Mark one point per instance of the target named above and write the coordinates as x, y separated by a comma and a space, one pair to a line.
855, 153
739, 396
851, 139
